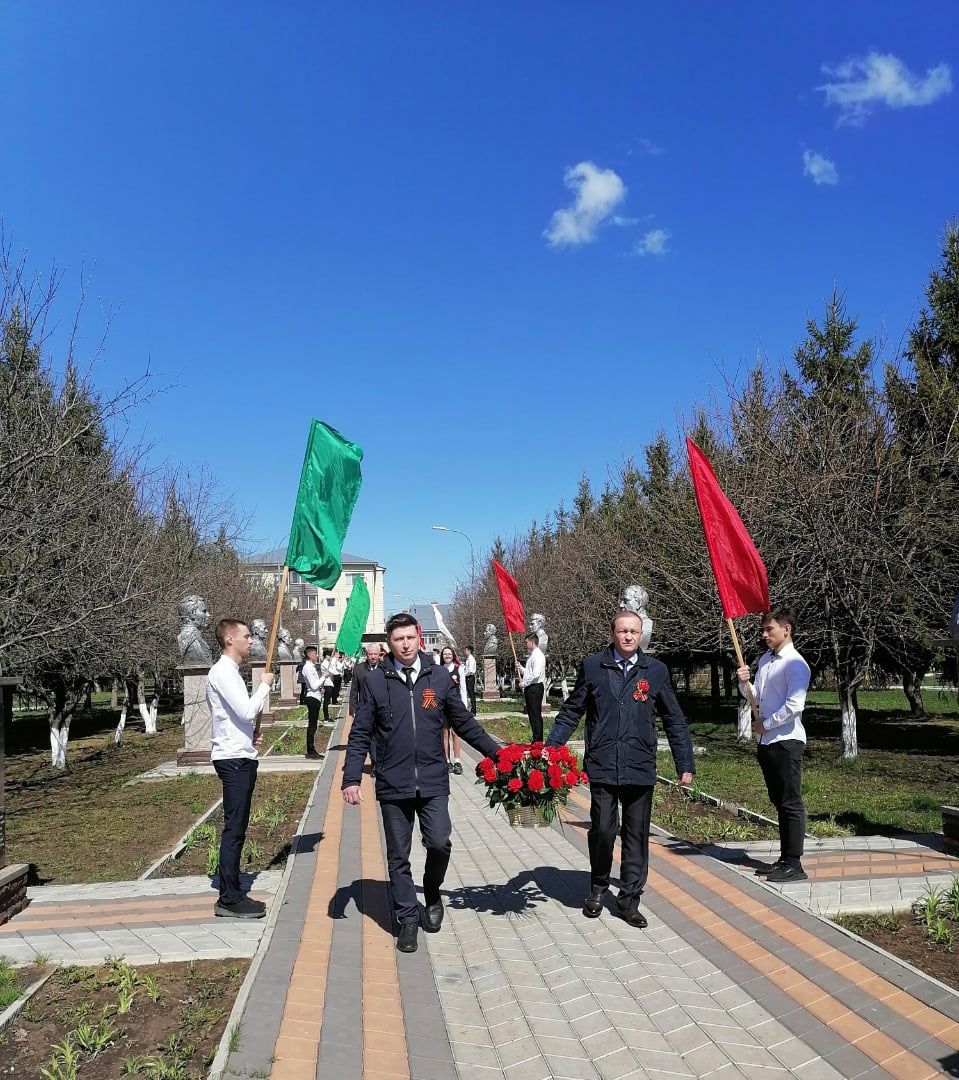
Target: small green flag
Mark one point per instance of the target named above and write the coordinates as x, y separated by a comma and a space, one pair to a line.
329, 485
354, 620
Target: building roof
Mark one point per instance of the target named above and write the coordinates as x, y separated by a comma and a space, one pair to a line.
276, 557
427, 620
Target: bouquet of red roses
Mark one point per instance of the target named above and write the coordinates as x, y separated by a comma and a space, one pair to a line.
530, 774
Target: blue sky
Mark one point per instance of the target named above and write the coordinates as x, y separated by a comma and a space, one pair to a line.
350, 211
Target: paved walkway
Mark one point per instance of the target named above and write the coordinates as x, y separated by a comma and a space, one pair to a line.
731, 979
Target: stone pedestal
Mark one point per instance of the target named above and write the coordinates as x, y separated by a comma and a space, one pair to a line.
257, 668
490, 692
197, 722
13, 877
287, 684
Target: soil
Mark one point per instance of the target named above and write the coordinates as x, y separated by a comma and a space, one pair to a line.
279, 800
902, 936
183, 1026
702, 823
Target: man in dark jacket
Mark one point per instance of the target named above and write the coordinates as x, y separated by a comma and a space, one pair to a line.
360, 671
404, 705
618, 689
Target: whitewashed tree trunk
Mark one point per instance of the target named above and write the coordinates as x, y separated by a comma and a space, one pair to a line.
744, 721
121, 724
564, 685
59, 736
148, 713
114, 695
850, 738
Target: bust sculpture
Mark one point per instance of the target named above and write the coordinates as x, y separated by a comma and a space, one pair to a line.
490, 644
537, 626
636, 599
298, 647
195, 618
284, 639
259, 633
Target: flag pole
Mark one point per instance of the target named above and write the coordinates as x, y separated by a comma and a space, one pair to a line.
742, 663
275, 629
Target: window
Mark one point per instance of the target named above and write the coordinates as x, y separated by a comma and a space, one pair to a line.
331, 601
295, 578
331, 627
308, 601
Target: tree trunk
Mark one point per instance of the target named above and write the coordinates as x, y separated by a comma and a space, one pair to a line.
727, 681
114, 696
744, 721
686, 675
912, 688
850, 738
714, 685
122, 723
59, 716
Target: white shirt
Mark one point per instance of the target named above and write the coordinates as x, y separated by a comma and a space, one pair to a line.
232, 710
780, 685
336, 667
460, 679
314, 685
535, 668
326, 673
469, 665
619, 660
398, 665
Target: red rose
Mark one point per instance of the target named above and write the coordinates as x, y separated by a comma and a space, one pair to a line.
556, 782
504, 765
515, 784
489, 775
485, 765
536, 750
583, 778
536, 780
572, 778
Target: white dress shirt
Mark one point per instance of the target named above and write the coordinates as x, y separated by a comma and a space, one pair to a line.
469, 665
398, 665
619, 660
314, 685
460, 676
780, 685
233, 711
534, 669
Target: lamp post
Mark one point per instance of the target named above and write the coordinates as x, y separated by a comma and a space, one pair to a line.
404, 596
459, 532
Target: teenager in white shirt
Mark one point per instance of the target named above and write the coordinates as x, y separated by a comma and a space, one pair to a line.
533, 681
780, 685
326, 680
451, 741
314, 695
235, 737
469, 675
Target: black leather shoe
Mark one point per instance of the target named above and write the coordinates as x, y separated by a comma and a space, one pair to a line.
406, 940
784, 874
433, 917
593, 904
457, 768
630, 913
767, 868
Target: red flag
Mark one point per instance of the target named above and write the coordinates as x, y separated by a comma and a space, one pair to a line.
740, 573
509, 598
419, 630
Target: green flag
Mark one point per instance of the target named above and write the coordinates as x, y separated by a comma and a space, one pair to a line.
329, 485
354, 621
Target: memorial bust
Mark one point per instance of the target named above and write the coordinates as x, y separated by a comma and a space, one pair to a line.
195, 619
636, 599
490, 644
298, 647
284, 640
260, 634
537, 626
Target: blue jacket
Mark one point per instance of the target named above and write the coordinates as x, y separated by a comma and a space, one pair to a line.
406, 731
621, 730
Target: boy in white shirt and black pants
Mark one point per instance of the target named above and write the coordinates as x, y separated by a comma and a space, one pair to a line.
235, 737
314, 696
780, 686
533, 680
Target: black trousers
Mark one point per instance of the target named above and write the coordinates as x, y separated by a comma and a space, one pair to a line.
238, 776
313, 718
337, 684
435, 829
328, 699
604, 824
471, 692
533, 696
781, 763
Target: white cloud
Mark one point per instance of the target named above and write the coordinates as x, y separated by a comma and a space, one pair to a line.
653, 243
598, 193
647, 146
881, 78
819, 168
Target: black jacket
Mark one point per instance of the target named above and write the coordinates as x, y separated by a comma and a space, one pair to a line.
621, 730
360, 671
406, 730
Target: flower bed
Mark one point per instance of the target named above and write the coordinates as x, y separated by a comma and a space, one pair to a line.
530, 775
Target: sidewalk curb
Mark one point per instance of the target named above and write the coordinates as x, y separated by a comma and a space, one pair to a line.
11, 1011
219, 1063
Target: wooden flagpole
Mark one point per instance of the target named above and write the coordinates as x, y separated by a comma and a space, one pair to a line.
742, 663
274, 630
512, 646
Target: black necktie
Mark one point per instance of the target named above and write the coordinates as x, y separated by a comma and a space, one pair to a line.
408, 672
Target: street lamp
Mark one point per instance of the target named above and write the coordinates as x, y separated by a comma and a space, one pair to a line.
459, 532
405, 596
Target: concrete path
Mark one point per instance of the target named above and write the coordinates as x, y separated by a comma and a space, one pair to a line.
731, 979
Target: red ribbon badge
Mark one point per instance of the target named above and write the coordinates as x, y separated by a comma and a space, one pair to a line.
429, 699
641, 693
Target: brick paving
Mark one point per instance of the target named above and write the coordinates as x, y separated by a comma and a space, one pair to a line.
731, 979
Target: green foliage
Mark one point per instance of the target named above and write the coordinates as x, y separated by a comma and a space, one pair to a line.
11, 986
